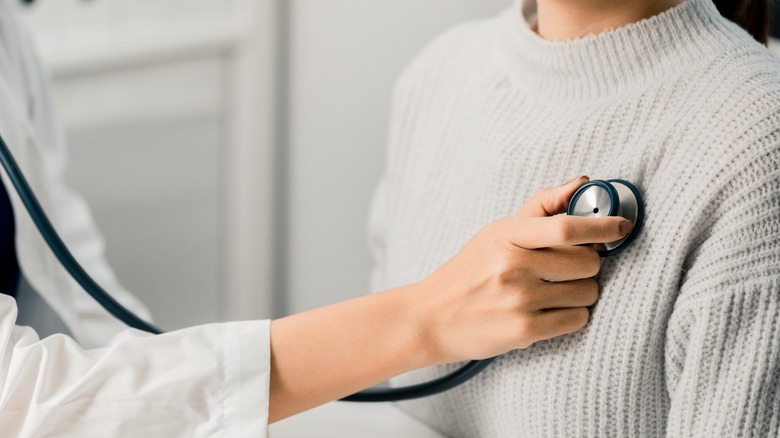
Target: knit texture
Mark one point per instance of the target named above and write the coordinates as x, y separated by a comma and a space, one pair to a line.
685, 339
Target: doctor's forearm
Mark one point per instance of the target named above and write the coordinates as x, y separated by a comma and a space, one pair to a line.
331, 352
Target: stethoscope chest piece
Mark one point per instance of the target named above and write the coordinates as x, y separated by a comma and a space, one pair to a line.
614, 197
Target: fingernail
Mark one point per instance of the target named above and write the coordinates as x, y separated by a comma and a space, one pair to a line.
625, 227
573, 179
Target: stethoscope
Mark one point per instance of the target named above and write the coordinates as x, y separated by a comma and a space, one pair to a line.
596, 198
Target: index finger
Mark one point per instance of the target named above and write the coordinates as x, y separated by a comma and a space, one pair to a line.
563, 230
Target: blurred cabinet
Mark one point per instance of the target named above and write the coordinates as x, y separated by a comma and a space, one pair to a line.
168, 106
95, 28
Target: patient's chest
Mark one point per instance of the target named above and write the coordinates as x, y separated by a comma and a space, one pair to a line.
455, 183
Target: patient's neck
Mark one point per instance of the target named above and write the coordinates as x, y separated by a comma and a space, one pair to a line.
558, 20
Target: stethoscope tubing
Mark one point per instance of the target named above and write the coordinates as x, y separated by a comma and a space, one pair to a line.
61, 251
425, 389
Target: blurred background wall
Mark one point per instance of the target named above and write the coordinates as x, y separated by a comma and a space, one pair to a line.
229, 148
344, 57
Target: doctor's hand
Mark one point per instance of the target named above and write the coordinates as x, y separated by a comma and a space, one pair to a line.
519, 280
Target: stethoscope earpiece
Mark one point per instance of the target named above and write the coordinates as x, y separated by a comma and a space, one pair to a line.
614, 197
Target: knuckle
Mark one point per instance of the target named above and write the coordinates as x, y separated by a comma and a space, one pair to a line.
525, 300
561, 199
566, 231
580, 318
504, 272
502, 279
500, 230
592, 260
526, 329
524, 259
592, 291
609, 230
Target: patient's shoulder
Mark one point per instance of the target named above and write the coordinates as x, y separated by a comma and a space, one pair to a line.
739, 96
747, 77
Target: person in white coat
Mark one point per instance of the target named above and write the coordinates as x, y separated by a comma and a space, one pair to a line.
519, 280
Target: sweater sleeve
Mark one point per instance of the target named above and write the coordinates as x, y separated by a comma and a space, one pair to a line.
722, 351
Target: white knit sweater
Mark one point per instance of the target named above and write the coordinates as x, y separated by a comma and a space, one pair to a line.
685, 339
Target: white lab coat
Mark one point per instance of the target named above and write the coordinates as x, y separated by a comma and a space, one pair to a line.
205, 381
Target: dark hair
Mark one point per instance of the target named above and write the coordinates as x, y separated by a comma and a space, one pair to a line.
751, 15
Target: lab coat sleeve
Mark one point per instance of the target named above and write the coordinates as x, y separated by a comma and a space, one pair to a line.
722, 348
205, 381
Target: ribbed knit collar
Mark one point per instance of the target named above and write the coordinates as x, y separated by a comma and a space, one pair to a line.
615, 61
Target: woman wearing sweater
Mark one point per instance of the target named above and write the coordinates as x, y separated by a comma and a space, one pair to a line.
670, 95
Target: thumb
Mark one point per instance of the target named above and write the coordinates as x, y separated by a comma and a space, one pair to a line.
551, 201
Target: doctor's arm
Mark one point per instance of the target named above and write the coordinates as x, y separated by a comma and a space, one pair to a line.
517, 281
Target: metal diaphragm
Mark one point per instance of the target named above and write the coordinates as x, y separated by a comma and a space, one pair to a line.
614, 197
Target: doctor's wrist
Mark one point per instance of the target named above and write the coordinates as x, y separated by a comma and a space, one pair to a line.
423, 350
424, 311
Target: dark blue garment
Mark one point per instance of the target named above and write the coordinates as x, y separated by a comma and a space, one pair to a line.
9, 266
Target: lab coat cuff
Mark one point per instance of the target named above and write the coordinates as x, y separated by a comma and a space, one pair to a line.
247, 376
